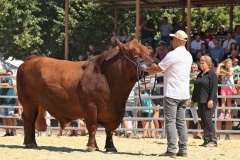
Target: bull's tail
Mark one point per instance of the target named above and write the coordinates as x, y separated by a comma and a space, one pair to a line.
40, 124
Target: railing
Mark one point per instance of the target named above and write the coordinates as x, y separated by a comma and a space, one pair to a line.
134, 109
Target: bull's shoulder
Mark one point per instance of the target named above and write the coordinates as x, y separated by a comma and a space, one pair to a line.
103, 57
32, 57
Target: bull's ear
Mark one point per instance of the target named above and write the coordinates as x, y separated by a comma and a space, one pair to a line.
113, 53
117, 42
122, 47
150, 49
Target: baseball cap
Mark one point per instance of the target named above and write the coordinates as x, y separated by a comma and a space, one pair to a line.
161, 43
180, 35
221, 26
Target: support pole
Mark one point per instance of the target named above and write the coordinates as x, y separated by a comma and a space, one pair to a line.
66, 29
137, 18
116, 18
189, 24
231, 16
183, 18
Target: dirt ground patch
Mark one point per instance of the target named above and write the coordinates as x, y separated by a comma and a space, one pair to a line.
69, 148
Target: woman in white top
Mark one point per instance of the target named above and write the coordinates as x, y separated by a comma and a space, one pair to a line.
227, 43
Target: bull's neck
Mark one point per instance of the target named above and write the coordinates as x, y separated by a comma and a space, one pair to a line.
122, 74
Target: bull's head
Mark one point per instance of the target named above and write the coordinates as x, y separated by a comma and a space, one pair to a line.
135, 51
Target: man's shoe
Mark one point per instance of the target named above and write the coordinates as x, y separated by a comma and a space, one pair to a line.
169, 154
211, 144
204, 144
179, 154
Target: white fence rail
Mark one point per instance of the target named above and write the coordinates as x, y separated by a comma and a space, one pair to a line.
135, 109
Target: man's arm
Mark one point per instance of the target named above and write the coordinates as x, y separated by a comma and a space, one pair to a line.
151, 70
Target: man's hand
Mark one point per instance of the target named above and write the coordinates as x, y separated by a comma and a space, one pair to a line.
191, 103
143, 67
210, 104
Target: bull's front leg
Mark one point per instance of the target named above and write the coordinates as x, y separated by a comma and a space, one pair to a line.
92, 128
92, 144
109, 142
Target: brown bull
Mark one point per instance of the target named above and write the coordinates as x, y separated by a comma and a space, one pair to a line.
96, 90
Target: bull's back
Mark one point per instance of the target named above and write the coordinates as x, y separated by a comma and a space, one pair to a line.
49, 83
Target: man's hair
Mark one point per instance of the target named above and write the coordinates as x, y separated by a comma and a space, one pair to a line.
194, 63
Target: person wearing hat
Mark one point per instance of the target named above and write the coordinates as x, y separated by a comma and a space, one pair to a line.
221, 34
176, 66
161, 52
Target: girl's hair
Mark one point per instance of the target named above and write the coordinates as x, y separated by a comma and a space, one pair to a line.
227, 60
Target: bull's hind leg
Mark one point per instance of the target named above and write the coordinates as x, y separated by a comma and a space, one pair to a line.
29, 116
109, 142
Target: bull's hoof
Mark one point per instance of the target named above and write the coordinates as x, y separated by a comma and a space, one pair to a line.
90, 149
31, 146
111, 149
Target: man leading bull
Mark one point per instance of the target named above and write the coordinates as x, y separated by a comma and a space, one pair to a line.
176, 67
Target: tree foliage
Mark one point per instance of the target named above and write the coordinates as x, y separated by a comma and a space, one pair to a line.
20, 31
38, 26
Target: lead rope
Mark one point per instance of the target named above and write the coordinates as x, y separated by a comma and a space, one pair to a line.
137, 64
139, 95
154, 84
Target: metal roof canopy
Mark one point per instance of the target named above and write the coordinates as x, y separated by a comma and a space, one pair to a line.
131, 4
156, 4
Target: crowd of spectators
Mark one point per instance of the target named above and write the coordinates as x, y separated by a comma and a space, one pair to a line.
223, 48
